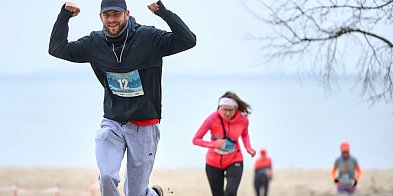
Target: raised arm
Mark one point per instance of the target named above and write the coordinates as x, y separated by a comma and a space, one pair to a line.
76, 51
181, 38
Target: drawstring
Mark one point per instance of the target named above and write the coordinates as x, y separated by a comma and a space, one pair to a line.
121, 53
124, 122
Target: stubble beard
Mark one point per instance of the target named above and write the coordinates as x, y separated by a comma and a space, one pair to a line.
121, 26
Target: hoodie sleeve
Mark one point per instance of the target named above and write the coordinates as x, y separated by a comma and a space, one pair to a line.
75, 51
180, 39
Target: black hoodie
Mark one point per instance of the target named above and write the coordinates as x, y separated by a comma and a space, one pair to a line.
132, 86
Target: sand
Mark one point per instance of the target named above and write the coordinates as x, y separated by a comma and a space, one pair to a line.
190, 182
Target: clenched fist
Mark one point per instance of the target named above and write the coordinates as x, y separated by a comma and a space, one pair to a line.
72, 8
153, 7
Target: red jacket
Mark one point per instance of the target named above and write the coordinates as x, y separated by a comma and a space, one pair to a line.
264, 163
236, 127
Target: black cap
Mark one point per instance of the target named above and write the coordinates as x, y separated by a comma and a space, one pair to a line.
116, 5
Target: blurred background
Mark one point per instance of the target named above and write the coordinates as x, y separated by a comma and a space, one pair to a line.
51, 109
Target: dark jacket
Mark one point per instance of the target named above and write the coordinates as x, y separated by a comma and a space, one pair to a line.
144, 49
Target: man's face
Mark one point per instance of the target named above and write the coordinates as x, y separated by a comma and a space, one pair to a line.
114, 21
345, 154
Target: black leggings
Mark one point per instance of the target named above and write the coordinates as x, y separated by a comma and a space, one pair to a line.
216, 177
261, 184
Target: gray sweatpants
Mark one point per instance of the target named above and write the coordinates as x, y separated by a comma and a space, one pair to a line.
112, 141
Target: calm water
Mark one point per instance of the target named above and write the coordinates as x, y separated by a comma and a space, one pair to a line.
50, 121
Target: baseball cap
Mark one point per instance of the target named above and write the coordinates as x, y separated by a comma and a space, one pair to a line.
116, 5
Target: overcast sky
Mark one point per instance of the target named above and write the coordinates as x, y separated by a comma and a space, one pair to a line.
220, 26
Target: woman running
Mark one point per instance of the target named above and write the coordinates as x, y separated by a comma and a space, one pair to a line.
263, 173
349, 171
224, 158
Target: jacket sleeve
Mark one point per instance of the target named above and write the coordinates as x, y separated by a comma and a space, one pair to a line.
246, 138
75, 51
180, 39
198, 137
270, 167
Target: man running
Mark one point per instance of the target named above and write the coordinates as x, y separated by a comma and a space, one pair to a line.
126, 58
349, 171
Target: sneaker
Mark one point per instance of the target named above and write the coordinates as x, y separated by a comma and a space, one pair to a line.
158, 190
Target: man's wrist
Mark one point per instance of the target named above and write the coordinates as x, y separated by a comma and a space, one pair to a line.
65, 14
162, 11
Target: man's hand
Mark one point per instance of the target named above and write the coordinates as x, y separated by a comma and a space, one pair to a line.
154, 7
72, 8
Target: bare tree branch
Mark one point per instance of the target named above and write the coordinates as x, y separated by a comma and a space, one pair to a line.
324, 30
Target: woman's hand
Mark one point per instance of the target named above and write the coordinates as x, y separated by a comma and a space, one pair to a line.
251, 151
219, 143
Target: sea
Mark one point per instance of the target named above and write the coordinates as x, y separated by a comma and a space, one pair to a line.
50, 120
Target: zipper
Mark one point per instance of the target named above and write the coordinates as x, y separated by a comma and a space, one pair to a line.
221, 161
229, 129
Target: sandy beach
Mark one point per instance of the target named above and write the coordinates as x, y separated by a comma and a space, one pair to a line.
189, 182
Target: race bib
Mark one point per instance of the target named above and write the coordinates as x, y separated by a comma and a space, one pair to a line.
125, 84
346, 180
229, 148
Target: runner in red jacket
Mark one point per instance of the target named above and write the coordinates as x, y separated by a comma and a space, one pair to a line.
263, 173
224, 157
